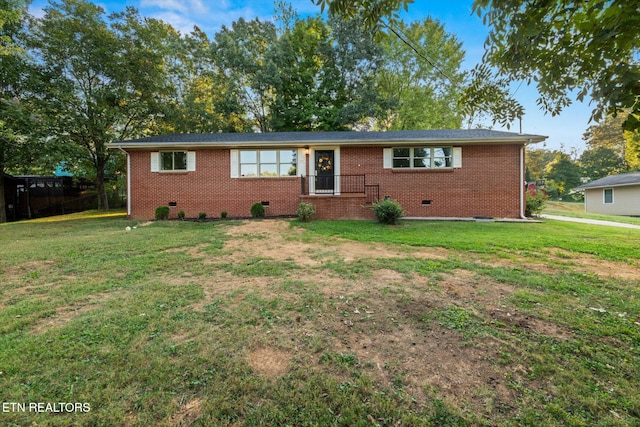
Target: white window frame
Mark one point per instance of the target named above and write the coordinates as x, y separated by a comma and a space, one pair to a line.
455, 158
156, 161
604, 196
236, 162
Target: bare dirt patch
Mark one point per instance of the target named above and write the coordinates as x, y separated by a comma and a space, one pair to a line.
19, 270
601, 268
194, 251
64, 314
583, 263
269, 361
187, 414
277, 240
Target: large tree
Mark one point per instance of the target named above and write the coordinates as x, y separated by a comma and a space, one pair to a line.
600, 161
205, 98
421, 74
632, 154
324, 76
624, 145
372, 12
562, 175
568, 49
607, 133
241, 53
587, 48
103, 79
15, 119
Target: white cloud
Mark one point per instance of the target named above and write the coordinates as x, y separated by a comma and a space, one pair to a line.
210, 16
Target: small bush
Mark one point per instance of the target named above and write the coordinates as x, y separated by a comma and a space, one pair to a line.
162, 212
257, 210
202, 215
181, 215
388, 211
535, 204
305, 211
223, 214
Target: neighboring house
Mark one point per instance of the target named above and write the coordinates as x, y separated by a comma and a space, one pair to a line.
434, 173
613, 195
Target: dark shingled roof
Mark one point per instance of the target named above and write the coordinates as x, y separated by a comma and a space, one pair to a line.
225, 139
632, 178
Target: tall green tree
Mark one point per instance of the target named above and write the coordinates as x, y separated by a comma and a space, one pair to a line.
357, 59
425, 83
601, 161
324, 76
607, 133
632, 152
587, 48
205, 99
536, 162
483, 94
241, 53
298, 58
103, 79
623, 145
371, 12
15, 119
562, 175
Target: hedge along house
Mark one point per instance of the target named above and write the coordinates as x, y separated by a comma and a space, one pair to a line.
433, 173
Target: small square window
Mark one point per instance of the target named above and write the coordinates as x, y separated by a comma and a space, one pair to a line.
173, 161
608, 196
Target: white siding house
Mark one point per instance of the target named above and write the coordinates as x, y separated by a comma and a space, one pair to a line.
613, 195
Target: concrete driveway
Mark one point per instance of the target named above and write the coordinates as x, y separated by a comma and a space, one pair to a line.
591, 221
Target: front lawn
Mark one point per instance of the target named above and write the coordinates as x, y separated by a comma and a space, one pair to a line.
277, 322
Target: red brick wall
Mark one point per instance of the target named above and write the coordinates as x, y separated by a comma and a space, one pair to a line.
345, 206
208, 189
488, 184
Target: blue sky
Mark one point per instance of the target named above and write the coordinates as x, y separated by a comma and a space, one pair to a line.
564, 131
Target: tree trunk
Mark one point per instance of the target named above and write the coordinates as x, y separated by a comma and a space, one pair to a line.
103, 197
3, 210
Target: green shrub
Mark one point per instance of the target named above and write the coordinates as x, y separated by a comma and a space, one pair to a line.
257, 210
388, 211
305, 211
162, 212
535, 204
202, 215
181, 215
223, 214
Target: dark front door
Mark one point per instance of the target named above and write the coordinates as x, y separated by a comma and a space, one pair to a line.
325, 182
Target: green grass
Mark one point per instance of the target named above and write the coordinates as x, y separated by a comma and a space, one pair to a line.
576, 210
493, 238
170, 324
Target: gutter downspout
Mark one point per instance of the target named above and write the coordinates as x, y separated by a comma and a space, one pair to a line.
128, 181
523, 200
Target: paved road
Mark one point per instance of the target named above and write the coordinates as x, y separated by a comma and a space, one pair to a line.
591, 221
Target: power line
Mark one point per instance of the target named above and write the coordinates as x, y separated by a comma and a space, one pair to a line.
418, 50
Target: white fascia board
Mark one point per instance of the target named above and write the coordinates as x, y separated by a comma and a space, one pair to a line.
325, 142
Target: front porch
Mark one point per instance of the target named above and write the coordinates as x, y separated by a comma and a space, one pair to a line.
340, 196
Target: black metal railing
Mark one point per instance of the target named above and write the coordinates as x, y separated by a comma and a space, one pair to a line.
372, 191
331, 184
346, 184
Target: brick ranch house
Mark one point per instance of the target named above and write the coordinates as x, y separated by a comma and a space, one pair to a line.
432, 173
